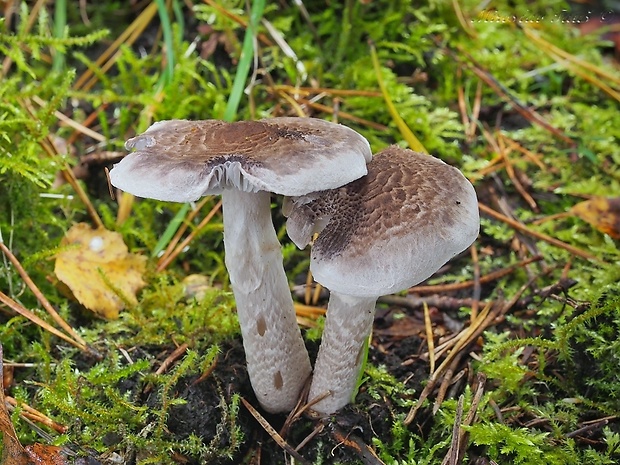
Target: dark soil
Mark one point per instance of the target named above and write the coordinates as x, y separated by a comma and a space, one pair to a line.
202, 413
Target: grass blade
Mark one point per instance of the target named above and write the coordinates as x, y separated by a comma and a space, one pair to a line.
409, 136
247, 54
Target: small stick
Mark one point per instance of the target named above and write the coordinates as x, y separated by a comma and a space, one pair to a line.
451, 457
460, 93
207, 372
515, 180
477, 286
475, 112
307, 91
6, 300
48, 147
308, 289
499, 146
507, 96
597, 424
485, 318
522, 228
364, 452
40, 297
494, 275
317, 429
536, 159
182, 228
309, 310
430, 341
296, 106
446, 381
457, 453
164, 263
35, 415
273, 433
176, 353
70, 122
87, 122
344, 115
316, 294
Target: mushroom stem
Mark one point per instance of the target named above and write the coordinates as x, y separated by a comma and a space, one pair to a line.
347, 325
277, 360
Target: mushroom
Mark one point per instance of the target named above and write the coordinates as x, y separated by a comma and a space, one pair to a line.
378, 235
181, 160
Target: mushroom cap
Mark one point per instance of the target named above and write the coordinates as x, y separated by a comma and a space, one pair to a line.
389, 230
181, 160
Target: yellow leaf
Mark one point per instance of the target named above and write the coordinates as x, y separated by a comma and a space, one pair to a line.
601, 212
98, 269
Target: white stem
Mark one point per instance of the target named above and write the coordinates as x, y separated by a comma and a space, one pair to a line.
347, 325
277, 360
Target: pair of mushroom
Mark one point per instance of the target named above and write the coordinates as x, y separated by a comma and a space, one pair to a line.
384, 225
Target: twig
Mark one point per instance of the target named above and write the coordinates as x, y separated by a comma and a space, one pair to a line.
430, 341
446, 381
164, 263
274, 434
343, 115
464, 339
47, 144
210, 369
477, 286
507, 96
475, 112
456, 451
70, 122
524, 229
439, 301
239, 20
465, 22
575, 64
317, 430
493, 276
35, 415
452, 456
107, 59
591, 425
405, 131
499, 146
176, 353
81, 343
182, 228
365, 453
307, 91
485, 318
6, 300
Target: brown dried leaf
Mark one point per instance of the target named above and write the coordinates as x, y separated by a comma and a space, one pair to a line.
98, 269
42, 454
601, 212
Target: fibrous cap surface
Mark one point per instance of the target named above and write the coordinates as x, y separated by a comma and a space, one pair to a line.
181, 160
389, 230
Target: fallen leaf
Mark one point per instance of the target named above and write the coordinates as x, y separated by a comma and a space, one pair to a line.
99, 270
601, 212
42, 454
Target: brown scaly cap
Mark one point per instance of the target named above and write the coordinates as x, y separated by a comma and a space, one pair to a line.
182, 160
390, 229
